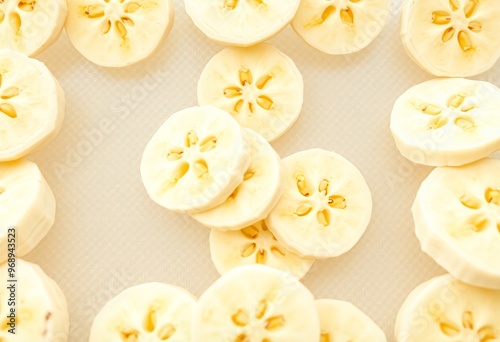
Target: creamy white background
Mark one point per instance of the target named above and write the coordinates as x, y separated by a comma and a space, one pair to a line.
109, 235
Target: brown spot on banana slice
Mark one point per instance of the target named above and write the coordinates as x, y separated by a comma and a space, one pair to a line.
93, 11
466, 123
245, 76
8, 110
240, 318
492, 196
275, 322
441, 18
27, 5
347, 16
449, 329
464, 41
132, 7
337, 202
10, 93
165, 332
470, 201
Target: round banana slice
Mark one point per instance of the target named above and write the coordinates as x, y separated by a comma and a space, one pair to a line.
195, 160
33, 307
148, 312
241, 22
118, 33
452, 38
339, 27
31, 26
254, 244
447, 122
31, 105
260, 86
342, 321
254, 198
325, 207
445, 309
457, 220
27, 207
253, 304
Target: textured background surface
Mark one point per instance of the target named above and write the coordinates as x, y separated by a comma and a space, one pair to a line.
109, 235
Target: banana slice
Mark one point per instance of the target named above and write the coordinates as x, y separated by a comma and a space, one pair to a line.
457, 220
196, 160
445, 309
31, 26
31, 105
453, 38
41, 312
339, 27
26, 204
325, 207
118, 33
342, 321
253, 304
254, 244
260, 86
148, 312
241, 22
254, 198
447, 122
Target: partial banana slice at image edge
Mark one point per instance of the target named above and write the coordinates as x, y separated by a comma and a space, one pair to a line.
256, 303
254, 244
195, 160
452, 38
325, 207
342, 321
31, 26
27, 206
259, 86
447, 122
457, 221
40, 308
254, 198
118, 33
146, 312
241, 22
446, 309
32, 105
340, 27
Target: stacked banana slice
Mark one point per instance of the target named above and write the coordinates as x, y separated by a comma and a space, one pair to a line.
313, 204
252, 303
453, 124
32, 110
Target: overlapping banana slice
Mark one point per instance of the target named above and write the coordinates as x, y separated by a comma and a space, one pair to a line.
254, 198
342, 321
453, 38
447, 122
147, 312
241, 22
326, 205
254, 244
445, 309
41, 312
27, 206
31, 26
31, 105
340, 27
196, 160
256, 303
259, 86
457, 220
118, 33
